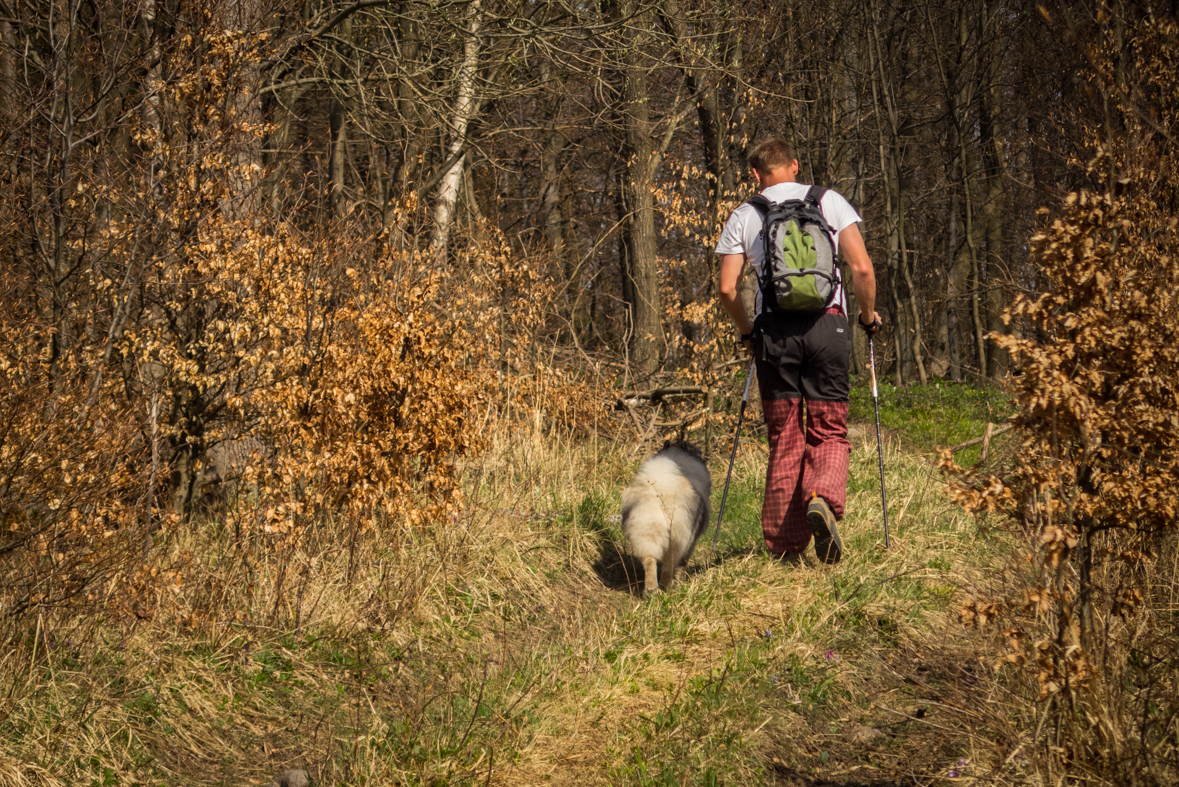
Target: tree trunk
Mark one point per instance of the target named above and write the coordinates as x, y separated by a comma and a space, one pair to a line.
7, 71
898, 243
889, 171
464, 111
973, 231
957, 105
993, 272
638, 258
245, 201
550, 199
337, 158
550, 176
955, 276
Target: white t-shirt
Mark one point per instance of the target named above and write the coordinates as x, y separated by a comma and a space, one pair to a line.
742, 232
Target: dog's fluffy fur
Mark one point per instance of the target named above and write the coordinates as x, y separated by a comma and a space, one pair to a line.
665, 509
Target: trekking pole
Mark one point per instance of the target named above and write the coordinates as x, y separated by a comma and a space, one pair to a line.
879, 444
732, 458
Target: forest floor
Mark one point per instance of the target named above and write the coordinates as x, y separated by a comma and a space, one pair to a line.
515, 647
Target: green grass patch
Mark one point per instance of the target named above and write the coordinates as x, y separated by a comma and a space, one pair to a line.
943, 413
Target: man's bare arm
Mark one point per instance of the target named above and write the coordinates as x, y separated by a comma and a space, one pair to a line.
731, 267
852, 248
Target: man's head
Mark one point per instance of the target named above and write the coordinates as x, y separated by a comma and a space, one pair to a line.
773, 160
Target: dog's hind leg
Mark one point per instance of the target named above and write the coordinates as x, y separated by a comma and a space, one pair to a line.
667, 575
650, 577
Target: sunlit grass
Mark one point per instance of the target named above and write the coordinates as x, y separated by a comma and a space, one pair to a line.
522, 652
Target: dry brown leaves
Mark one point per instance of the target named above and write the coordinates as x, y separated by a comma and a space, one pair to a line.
1096, 387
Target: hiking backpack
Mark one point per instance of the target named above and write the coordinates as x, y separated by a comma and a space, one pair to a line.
801, 269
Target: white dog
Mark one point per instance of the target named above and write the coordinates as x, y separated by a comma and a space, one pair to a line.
665, 509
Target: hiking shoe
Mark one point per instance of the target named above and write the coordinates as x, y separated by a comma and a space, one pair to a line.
821, 521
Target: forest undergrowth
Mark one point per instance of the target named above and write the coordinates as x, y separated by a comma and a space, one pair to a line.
511, 645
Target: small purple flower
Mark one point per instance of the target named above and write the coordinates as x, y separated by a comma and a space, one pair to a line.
831, 656
773, 679
769, 633
953, 774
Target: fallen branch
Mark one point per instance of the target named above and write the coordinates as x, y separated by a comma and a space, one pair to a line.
656, 395
992, 431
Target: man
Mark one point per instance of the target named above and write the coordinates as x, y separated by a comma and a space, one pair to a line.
802, 357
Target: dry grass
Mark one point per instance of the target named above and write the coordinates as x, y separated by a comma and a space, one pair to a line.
511, 647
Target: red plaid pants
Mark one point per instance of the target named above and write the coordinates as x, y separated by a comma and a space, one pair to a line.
803, 462
802, 369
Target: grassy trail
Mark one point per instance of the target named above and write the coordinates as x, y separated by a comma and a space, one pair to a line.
513, 647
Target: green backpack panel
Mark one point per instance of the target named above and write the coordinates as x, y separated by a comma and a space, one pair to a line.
801, 270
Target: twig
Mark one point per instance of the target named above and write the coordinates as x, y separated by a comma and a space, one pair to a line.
687, 419
992, 431
646, 435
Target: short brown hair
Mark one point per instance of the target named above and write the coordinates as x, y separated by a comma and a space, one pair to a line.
770, 155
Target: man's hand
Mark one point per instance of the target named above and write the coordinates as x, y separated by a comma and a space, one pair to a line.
873, 327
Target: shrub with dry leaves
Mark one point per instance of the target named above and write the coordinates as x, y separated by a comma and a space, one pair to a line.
1096, 387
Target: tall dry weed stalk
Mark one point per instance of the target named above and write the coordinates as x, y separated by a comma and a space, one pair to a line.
1093, 489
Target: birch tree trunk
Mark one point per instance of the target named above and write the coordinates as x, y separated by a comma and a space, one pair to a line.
464, 111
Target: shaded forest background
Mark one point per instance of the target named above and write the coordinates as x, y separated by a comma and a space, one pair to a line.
604, 142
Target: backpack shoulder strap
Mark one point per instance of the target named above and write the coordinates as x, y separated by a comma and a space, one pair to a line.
763, 206
760, 204
813, 200
814, 195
